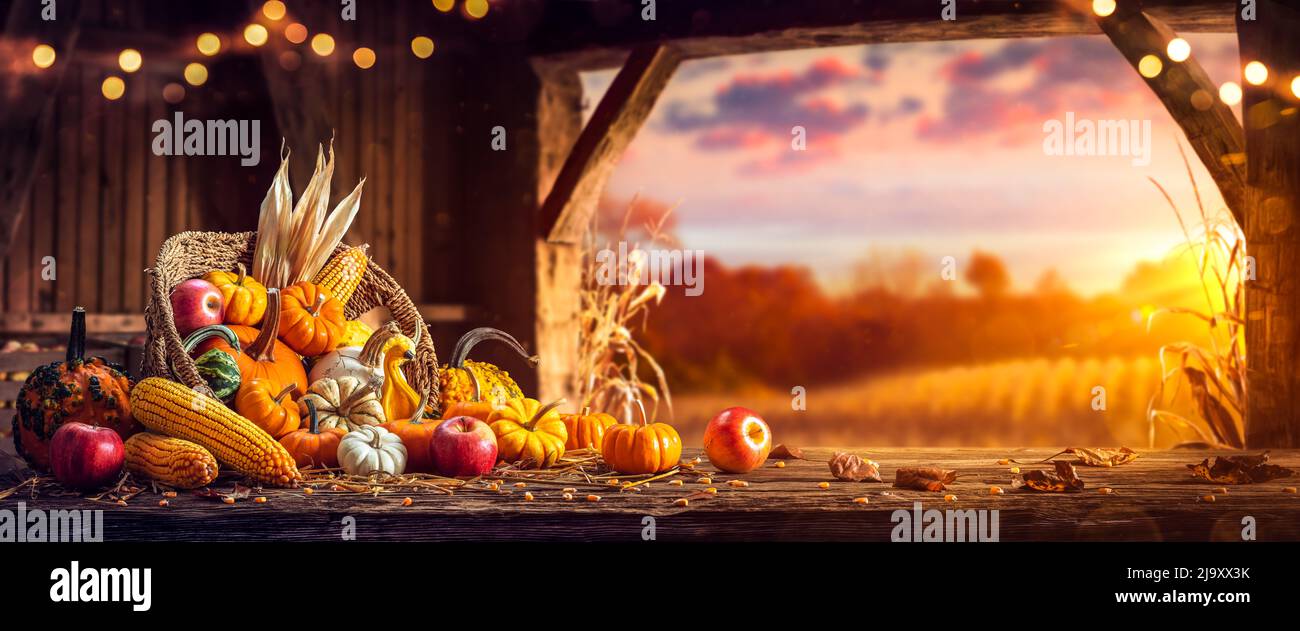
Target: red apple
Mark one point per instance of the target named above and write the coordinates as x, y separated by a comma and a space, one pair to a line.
196, 303
463, 446
737, 440
86, 457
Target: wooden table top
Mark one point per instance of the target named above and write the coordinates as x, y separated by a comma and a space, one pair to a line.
1154, 499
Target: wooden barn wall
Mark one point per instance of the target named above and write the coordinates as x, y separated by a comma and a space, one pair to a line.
103, 203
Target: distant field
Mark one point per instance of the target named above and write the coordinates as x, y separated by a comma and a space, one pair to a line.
1034, 403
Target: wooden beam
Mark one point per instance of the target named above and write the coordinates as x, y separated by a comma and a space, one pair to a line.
598, 33
1272, 227
1191, 98
26, 111
569, 207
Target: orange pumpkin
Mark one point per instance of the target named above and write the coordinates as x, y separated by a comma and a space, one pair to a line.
586, 430
529, 432
244, 298
272, 410
417, 434
261, 355
310, 447
474, 407
312, 321
644, 448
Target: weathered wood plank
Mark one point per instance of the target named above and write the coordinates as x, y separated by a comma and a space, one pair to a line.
89, 235
69, 119
112, 234
1154, 499
1190, 97
567, 211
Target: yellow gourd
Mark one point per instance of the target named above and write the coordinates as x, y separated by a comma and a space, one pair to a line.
398, 398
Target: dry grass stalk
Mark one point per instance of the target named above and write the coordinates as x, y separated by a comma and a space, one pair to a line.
610, 359
1215, 376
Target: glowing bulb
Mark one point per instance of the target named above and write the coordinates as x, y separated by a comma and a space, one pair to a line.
273, 9
1150, 66
208, 44
1295, 86
130, 60
196, 74
1230, 93
444, 5
255, 34
1103, 8
113, 88
295, 33
363, 57
322, 44
43, 55
476, 8
1256, 73
1178, 49
422, 47
173, 93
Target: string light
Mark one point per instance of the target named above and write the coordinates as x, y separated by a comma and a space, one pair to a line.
196, 74
255, 34
1256, 73
295, 33
476, 8
1295, 86
422, 47
208, 44
43, 55
1103, 8
1230, 93
113, 88
173, 93
444, 5
363, 57
322, 44
1150, 66
1178, 49
130, 60
273, 9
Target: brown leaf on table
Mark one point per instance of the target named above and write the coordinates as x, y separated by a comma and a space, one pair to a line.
853, 468
1099, 456
931, 479
1064, 481
783, 452
238, 493
1239, 469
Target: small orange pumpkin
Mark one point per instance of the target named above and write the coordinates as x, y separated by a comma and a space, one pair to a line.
310, 447
260, 354
268, 406
644, 448
586, 430
312, 321
417, 434
243, 296
529, 432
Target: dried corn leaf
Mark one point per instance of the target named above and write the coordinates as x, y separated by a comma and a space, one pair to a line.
1215, 414
1099, 456
1239, 469
931, 479
1064, 481
785, 452
853, 468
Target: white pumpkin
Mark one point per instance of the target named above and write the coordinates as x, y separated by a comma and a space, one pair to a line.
372, 450
346, 403
363, 362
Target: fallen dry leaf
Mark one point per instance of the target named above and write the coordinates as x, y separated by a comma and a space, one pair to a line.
1239, 469
850, 467
931, 479
1064, 481
1102, 457
783, 452
238, 493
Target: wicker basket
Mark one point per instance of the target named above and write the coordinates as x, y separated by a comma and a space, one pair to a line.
193, 254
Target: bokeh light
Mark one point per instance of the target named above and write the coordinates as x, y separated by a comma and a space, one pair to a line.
1150, 66
113, 88
1178, 49
476, 8
444, 5
1295, 86
173, 93
363, 57
196, 74
422, 47
130, 60
322, 44
43, 55
1103, 8
208, 44
1256, 73
295, 33
255, 34
273, 9
1230, 93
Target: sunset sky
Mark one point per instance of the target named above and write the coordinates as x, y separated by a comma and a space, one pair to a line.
932, 147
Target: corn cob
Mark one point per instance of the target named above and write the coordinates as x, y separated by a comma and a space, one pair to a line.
170, 408
343, 273
171, 461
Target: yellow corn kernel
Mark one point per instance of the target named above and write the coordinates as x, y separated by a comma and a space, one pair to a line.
567, 496
860, 500
780, 464
1207, 498
676, 483
705, 480
520, 485
1004, 461
308, 491
528, 496
259, 500
406, 501
593, 498
1105, 490
738, 483
823, 485
996, 490
1222, 490
163, 503
1015, 469
1288, 489
950, 498
681, 501
342, 274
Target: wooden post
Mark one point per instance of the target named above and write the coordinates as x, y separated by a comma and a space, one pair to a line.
1272, 227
